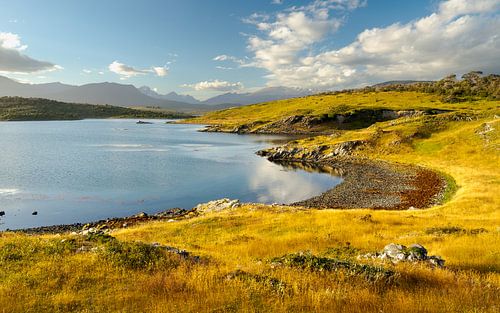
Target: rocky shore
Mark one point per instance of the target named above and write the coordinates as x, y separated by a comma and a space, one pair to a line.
112, 223
366, 183
105, 226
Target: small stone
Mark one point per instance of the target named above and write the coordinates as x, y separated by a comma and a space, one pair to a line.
400, 256
82, 249
170, 221
2, 213
436, 261
34, 213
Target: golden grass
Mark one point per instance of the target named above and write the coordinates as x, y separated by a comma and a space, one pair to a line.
334, 104
248, 237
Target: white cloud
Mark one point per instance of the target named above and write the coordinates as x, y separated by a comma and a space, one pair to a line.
292, 32
460, 36
86, 71
160, 71
215, 85
230, 58
224, 68
221, 57
126, 71
277, 1
11, 41
12, 59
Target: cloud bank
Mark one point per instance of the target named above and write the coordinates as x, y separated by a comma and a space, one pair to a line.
13, 60
459, 37
215, 85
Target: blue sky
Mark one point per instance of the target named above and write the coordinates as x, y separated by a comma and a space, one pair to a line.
208, 47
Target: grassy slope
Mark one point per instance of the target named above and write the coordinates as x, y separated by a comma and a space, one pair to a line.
29, 109
334, 104
248, 237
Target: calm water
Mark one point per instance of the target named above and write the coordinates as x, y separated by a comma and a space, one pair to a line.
78, 171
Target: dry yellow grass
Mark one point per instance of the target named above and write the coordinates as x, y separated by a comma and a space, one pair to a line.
248, 237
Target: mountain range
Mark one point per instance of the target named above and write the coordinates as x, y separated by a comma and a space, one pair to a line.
130, 96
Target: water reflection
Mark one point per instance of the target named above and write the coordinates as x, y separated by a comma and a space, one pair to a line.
312, 168
86, 170
291, 183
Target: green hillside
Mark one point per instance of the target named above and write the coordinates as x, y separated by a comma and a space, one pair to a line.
34, 109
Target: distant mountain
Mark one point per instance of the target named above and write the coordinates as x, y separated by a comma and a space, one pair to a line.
173, 96
233, 98
130, 96
98, 93
262, 95
9, 87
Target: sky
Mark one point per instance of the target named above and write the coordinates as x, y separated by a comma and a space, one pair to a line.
205, 48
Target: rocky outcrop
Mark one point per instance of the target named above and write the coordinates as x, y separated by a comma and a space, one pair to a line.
398, 253
314, 154
321, 124
217, 205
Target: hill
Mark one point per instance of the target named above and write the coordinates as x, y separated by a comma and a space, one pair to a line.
358, 108
33, 109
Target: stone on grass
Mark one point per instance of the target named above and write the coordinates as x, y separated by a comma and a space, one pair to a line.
398, 253
217, 205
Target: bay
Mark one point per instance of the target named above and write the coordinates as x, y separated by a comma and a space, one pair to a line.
78, 171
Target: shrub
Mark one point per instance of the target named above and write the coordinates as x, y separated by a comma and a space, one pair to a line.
138, 256
308, 261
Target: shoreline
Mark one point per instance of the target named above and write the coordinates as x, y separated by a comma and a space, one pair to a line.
374, 184
108, 224
367, 184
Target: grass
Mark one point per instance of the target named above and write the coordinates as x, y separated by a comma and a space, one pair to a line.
262, 258
320, 105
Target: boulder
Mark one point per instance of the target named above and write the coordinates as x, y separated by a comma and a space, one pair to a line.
393, 250
217, 205
398, 253
2, 213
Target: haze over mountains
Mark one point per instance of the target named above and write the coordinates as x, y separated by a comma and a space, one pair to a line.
130, 96
261, 95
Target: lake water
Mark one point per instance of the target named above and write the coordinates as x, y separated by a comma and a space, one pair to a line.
79, 171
